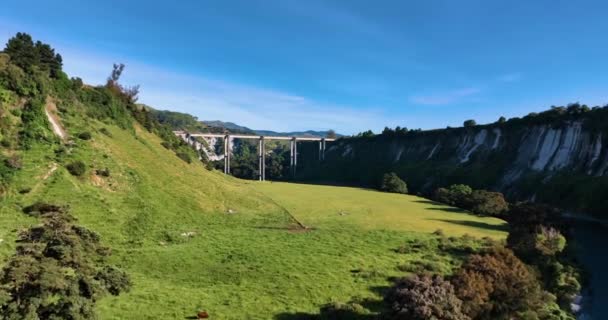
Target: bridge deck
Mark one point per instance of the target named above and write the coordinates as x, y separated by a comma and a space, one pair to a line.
246, 136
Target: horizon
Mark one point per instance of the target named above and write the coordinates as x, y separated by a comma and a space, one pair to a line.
346, 66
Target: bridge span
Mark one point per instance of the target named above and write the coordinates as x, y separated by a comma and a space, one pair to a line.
190, 138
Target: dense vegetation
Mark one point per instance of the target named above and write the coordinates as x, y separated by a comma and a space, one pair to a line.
59, 270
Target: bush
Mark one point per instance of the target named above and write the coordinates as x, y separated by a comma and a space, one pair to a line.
392, 183
455, 195
85, 136
77, 168
103, 172
184, 156
13, 162
423, 297
42, 208
497, 285
487, 203
106, 132
470, 123
59, 271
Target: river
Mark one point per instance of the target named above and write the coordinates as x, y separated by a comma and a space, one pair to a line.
592, 251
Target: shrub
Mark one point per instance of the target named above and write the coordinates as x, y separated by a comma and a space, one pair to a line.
497, 285
392, 183
13, 162
103, 172
59, 271
487, 203
85, 135
42, 208
184, 156
470, 123
77, 168
106, 132
422, 297
455, 195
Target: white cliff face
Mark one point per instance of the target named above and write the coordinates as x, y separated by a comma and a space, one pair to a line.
548, 146
433, 151
498, 135
567, 148
478, 140
595, 153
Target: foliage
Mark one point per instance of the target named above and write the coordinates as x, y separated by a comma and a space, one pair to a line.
392, 183
422, 297
469, 123
487, 203
184, 156
35, 124
76, 168
58, 272
28, 56
497, 285
331, 134
549, 241
84, 135
455, 195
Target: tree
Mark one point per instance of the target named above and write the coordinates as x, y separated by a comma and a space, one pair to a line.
487, 203
129, 94
502, 120
497, 285
470, 123
549, 241
331, 134
392, 183
423, 297
455, 195
48, 59
59, 271
22, 51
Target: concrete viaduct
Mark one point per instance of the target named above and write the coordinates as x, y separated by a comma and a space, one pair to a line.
190, 138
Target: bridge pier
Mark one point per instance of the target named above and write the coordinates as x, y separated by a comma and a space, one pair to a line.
227, 154
262, 159
322, 149
293, 143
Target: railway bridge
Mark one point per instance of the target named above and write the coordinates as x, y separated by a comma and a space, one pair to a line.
190, 138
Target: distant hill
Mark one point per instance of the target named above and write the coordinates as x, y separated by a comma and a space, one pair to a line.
230, 126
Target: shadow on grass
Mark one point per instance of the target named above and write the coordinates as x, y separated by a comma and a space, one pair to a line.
449, 209
477, 224
426, 201
367, 309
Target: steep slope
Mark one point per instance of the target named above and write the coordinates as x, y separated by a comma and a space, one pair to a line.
559, 157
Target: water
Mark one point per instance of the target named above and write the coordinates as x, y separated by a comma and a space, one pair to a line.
592, 251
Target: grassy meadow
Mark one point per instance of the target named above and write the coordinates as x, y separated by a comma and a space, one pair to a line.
194, 239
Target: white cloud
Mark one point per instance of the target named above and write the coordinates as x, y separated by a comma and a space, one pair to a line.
441, 98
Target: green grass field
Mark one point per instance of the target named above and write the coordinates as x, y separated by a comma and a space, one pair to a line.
248, 264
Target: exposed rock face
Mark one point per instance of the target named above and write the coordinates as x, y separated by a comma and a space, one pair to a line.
499, 157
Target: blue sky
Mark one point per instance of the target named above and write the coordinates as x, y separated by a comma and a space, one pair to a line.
349, 65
